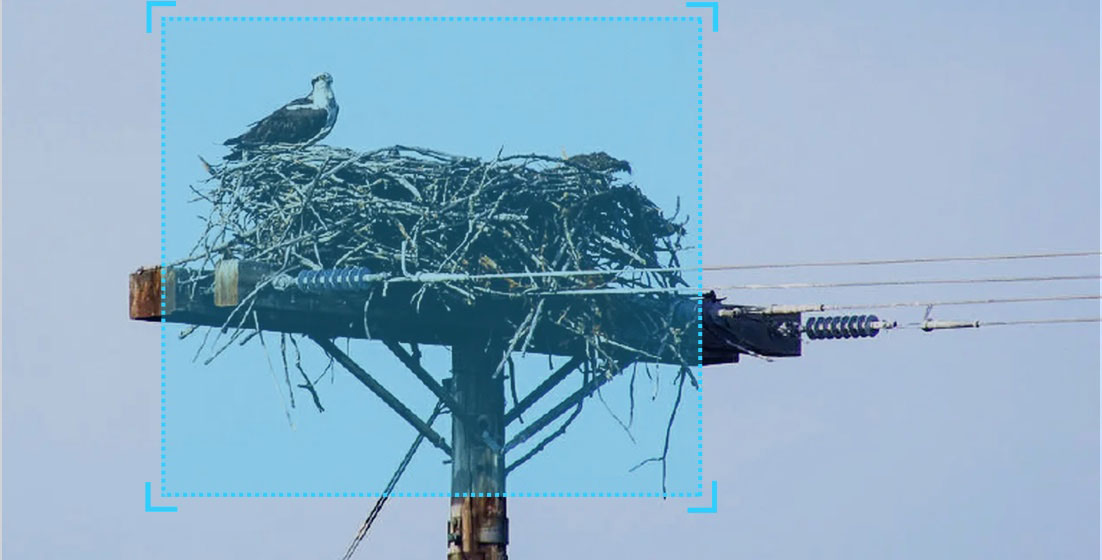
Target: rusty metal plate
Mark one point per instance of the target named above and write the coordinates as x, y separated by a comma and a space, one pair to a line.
145, 293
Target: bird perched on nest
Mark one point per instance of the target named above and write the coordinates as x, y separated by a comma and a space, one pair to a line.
600, 162
304, 121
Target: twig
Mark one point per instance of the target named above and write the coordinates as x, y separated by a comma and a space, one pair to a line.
513, 387
669, 427
543, 444
308, 385
275, 381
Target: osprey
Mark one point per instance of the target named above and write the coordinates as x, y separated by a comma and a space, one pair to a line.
600, 162
303, 121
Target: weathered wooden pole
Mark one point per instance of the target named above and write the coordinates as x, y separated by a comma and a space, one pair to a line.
478, 528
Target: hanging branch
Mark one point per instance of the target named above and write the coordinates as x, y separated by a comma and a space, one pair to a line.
275, 381
286, 371
631, 395
615, 417
307, 384
513, 387
669, 427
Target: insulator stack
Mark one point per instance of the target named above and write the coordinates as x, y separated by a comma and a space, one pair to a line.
335, 280
843, 326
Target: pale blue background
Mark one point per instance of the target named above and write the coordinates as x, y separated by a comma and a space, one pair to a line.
854, 129
470, 88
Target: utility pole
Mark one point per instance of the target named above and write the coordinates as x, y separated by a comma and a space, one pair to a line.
478, 528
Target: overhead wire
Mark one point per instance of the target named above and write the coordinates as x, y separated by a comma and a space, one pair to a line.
381, 500
763, 266
922, 282
942, 303
1042, 321
816, 285
1017, 322
914, 260
432, 277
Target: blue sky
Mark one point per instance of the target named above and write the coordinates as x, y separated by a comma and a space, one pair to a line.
845, 130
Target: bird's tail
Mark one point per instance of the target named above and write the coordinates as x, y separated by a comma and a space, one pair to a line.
206, 166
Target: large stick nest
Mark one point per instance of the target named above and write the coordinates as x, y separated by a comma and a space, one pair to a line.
405, 211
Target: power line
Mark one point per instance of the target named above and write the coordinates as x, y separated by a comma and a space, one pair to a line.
1042, 321
760, 266
988, 301
917, 260
381, 501
359, 276
875, 283
812, 285
931, 325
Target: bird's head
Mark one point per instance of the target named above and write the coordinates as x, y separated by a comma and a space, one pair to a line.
324, 77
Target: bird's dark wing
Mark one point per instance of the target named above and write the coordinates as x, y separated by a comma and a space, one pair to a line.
287, 124
299, 101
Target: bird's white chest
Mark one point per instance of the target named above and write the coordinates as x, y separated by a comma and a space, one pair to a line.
322, 98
